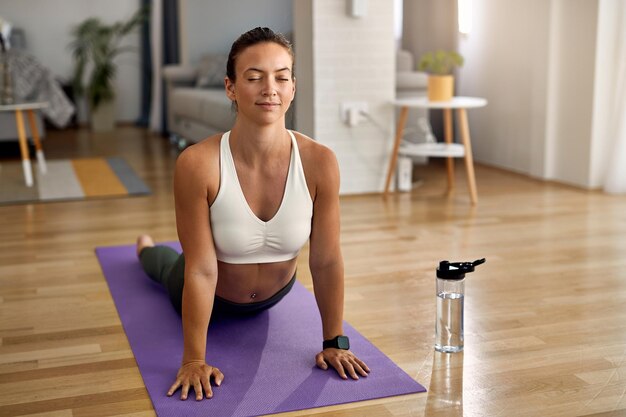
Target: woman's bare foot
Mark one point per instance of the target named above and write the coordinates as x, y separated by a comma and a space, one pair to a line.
144, 241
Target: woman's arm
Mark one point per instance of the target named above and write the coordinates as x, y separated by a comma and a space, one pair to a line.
326, 264
325, 259
194, 231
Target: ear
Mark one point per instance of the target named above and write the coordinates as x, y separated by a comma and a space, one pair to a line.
293, 89
229, 86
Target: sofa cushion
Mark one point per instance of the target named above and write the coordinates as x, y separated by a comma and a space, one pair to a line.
404, 61
411, 80
207, 105
211, 71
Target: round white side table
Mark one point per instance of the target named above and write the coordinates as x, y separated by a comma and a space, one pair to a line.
448, 149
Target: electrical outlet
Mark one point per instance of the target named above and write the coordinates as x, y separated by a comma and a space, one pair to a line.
350, 112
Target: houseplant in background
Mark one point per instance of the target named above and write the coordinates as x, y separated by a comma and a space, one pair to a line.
94, 48
439, 66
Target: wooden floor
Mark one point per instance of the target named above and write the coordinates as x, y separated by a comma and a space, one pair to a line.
545, 316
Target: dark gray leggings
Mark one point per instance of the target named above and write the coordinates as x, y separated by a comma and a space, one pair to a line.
167, 267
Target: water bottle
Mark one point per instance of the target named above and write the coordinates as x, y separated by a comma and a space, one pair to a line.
450, 300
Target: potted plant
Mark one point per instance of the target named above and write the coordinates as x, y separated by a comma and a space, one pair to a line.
95, 47
439, 66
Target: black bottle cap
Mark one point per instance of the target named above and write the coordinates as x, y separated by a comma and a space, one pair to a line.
456, 270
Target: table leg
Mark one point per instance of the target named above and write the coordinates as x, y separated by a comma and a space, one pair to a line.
28, 172
469, 160
41, 160
447, 130
396, 145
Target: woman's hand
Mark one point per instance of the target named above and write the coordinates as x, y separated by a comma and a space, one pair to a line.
198, 375
342, 360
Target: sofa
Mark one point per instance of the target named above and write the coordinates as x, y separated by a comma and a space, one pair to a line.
412, 83
197, 105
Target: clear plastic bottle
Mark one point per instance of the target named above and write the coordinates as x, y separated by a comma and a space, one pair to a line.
449, 333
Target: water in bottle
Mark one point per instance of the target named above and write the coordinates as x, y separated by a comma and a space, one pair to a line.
449, 326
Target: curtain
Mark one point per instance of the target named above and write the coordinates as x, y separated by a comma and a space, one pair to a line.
156, 47
146, 70
164, 50
615, 180
170, 49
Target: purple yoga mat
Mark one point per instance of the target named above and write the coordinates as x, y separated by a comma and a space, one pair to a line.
267, 359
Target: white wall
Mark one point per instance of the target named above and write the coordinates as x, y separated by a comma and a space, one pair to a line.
573, 29
212, 26
535, 61
47, 25
353, 59
506, 61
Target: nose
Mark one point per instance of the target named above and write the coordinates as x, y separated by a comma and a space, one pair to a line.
269, 88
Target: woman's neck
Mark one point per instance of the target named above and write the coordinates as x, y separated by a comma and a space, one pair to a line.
253, 143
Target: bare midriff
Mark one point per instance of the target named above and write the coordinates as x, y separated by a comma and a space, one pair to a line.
250, 283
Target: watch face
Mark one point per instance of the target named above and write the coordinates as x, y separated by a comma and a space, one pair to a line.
343, 342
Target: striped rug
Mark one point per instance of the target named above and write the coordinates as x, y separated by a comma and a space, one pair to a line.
70, 179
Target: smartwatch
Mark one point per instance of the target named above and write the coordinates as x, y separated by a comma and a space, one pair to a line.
338, 342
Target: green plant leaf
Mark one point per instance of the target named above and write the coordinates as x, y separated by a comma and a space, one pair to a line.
95, 46
440, 62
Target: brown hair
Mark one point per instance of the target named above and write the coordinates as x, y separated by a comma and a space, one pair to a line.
253, 37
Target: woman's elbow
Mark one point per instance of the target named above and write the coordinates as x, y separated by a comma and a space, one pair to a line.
317, 265
202, 274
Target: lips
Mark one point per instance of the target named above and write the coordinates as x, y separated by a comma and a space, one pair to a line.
270, 106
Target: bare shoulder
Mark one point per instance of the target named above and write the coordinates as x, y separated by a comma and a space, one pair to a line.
315, 155
199, 164
319, 162
200, 156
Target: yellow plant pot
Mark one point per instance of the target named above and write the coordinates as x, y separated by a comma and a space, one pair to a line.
440, 87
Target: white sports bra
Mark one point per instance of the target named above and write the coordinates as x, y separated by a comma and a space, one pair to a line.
240, 237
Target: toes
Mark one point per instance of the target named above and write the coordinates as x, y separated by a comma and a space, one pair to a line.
144, 241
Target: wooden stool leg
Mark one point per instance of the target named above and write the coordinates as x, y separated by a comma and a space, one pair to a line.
41, 160
28, 172
469, 160
447, 131
396, 145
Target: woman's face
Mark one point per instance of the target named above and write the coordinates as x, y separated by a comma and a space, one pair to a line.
264, 86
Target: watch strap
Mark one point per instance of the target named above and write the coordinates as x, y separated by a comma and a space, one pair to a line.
337, 342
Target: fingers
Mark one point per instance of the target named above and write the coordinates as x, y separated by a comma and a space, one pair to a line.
185, 391
362, 367
344, 362
347, 364
173, 388
320, 362
336, 363
354, 366
206, 383
218, 376
199, 379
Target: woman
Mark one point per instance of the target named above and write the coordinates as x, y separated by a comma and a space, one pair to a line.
246, 202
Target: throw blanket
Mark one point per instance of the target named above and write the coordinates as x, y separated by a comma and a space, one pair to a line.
33, 82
